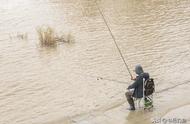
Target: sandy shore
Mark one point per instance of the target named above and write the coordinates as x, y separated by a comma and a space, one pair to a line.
179, 115
173, 107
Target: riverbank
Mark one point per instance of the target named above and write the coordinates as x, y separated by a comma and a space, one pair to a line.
168, 104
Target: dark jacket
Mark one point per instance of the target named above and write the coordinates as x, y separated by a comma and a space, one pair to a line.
138, 83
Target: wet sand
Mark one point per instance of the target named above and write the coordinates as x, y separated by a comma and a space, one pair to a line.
84, 82
180, 113
167, 107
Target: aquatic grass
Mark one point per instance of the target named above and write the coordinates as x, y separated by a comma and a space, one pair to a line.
20, 36
46, 36
65, 38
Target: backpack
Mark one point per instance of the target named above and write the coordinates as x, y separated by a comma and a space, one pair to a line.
149, 87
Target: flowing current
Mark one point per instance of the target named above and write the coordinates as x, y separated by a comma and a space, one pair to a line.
39, 85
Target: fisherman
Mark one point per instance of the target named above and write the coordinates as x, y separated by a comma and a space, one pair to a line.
136, 89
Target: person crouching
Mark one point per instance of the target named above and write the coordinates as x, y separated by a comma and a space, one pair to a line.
136, 88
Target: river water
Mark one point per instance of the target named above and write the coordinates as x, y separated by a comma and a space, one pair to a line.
44, 84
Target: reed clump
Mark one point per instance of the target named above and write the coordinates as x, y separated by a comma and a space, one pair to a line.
46, 36
22, 36
65, 38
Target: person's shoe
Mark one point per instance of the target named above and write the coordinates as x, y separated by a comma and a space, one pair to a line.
131, 109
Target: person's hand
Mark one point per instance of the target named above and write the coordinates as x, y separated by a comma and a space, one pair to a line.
133, 78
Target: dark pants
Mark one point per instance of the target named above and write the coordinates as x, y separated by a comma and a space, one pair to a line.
130, 100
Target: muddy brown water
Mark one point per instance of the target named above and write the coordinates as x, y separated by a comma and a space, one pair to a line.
44, 84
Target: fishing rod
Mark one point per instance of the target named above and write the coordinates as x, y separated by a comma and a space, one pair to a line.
114, 39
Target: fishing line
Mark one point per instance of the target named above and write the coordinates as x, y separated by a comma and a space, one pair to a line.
113, 39
102, 78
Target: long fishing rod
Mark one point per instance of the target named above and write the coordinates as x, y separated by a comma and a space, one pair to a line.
114, 39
